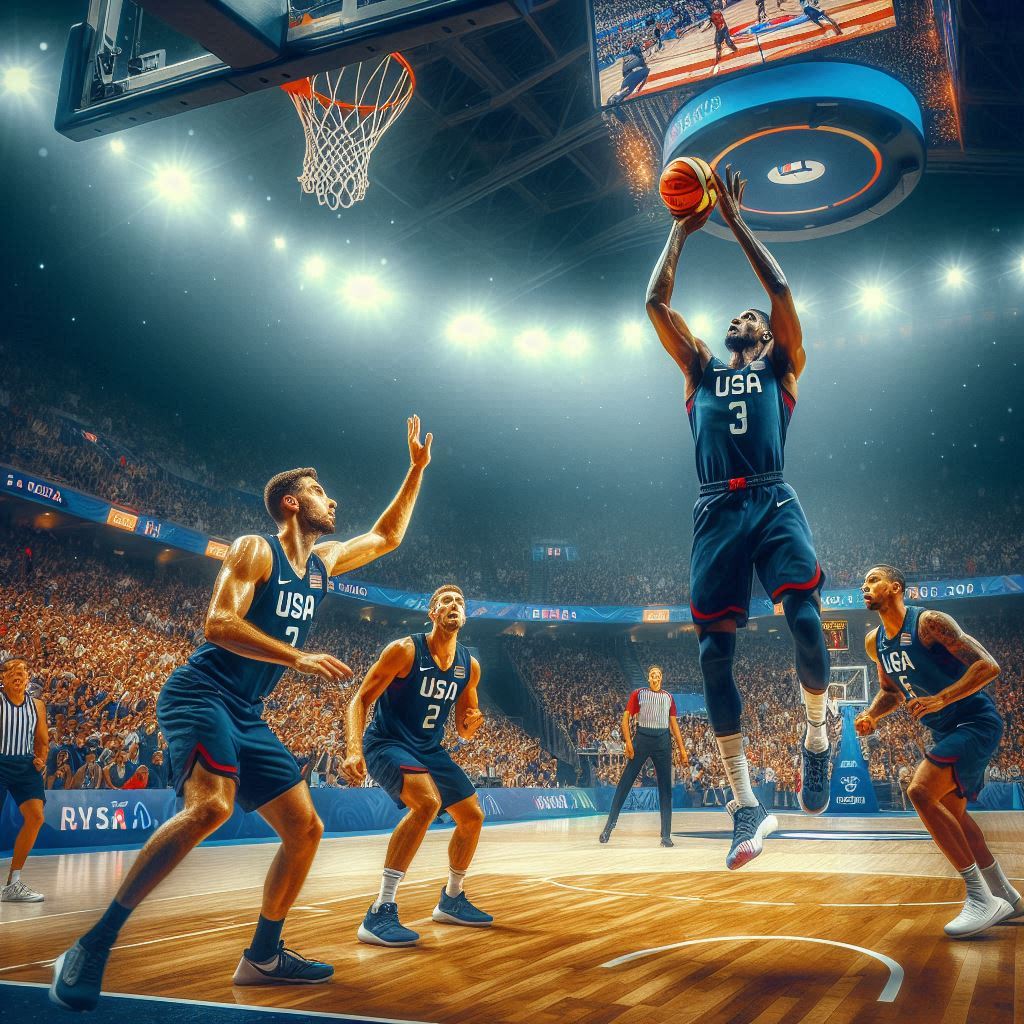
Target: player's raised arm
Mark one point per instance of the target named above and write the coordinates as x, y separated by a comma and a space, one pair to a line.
689, 352
395, 660
785, 324
937, 629
389, 530
248, 564
888, 698
468, 716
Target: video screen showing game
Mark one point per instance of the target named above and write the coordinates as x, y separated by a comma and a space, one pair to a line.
646, 46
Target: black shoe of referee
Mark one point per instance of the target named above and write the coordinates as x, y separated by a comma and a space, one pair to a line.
667, 841
606, 834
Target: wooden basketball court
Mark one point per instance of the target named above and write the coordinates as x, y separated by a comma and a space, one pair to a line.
818, 929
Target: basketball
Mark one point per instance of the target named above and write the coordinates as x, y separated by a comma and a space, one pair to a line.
688, 186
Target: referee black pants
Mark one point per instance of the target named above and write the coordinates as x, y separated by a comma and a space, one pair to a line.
655, 744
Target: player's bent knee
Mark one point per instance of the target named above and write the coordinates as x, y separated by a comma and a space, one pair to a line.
32, 813
211, 814
919, 795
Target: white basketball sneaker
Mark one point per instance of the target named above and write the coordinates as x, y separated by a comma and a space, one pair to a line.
977, 916
19, 892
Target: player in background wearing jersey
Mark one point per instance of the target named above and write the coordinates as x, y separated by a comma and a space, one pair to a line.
635, 72
722, 37
210, 714
927, 663
23, 746
417, 682
814, 11
747, 518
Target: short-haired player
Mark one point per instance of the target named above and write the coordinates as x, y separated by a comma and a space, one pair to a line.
417, 682
929, 665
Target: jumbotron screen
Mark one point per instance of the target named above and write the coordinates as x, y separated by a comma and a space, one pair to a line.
646, 46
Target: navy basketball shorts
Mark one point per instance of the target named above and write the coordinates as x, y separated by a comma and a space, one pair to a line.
763, 528
967, 749
389, 761
18, 776
634, 79
202, 723
722, 36
814, 14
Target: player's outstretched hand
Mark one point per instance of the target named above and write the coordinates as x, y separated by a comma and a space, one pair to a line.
695, 221
730, 194
354, 769
921, 706
471, 721
326, 666
864, 724
419, 453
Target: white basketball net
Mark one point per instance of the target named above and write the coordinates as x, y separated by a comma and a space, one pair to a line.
344, 115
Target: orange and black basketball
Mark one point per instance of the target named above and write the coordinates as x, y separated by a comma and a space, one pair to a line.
688, 186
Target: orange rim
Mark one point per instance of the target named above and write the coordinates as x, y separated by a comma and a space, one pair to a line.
303, 88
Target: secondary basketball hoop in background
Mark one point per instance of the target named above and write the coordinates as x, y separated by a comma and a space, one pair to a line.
344, 114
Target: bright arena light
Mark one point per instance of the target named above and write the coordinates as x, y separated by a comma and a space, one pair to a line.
364, 292
117, 147
1020, 264
17, 80
173, 184
955, 277
702, 324
533, 344
238, 219
314, 267
575, 344
469, 330
872, 298
633, 334
279, 242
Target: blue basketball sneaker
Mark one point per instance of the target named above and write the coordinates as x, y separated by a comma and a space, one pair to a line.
813, 794
458, 910
285, 968
78, 977
384, 929
749, 827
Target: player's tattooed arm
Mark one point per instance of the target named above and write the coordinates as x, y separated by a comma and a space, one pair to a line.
248, 564
388, 532
395, 660
689, 352
468, 716
888, 698
937, 629
785, 324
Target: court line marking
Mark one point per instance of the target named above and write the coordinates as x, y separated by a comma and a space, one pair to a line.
887, 995
745, 903
307, 1012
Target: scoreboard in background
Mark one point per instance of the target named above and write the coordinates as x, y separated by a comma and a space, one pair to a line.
555, 553
837, 634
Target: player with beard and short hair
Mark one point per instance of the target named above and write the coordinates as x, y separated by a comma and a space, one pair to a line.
927, 663
417, 683
210, 713
746, 518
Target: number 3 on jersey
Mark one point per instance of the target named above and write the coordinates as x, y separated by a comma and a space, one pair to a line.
430, 718
740, 426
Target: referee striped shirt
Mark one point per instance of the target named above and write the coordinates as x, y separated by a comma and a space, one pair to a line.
652, 710
17, 727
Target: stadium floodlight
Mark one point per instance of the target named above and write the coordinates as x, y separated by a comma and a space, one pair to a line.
279, 242
117, 147
314, 267
575, 344
955, 277
872, 298
173, 184
470, 330
17, 81
238, 219
633, 335
533, 343
702, 324
364, 292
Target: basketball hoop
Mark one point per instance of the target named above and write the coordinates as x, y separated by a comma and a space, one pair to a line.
344, 114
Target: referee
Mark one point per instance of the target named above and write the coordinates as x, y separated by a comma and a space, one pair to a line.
655, 714
23, 743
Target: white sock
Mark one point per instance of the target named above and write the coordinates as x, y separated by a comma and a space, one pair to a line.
15, 876
814, 707
388, 887
998, 883
977, 889
735, 763
456, 880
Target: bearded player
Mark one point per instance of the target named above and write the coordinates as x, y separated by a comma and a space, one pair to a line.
210, 714
417, 682
927, 663
746, 517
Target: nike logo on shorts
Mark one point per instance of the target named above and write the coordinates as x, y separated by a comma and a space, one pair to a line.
779, 504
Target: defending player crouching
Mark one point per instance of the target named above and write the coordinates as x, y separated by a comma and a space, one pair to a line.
416, 682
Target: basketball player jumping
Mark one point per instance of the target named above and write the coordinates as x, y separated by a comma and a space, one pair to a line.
210, 714
746, 517
815, 12
927, 662
635, 72
417, 682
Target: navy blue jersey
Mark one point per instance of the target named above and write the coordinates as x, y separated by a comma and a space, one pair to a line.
739, 420
413, 710
922, 672
283, 608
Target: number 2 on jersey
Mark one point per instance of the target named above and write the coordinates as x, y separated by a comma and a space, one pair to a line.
430, 717
740, 426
